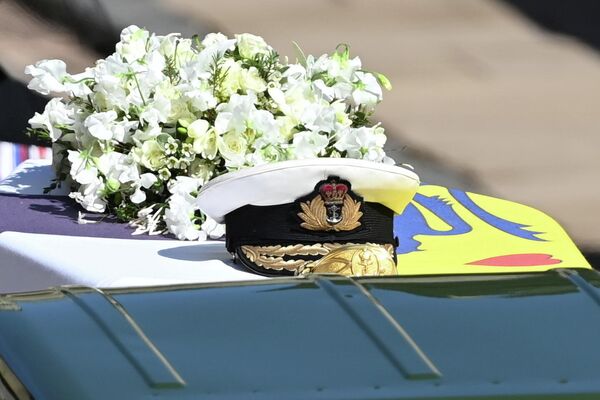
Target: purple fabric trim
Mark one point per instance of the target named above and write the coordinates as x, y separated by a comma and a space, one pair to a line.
57, 215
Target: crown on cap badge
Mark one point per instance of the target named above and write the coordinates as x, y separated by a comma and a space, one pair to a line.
333, 198
332, 209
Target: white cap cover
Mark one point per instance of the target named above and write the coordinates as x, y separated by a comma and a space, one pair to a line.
284, 182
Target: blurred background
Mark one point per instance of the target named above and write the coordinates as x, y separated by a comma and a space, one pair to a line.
500, 97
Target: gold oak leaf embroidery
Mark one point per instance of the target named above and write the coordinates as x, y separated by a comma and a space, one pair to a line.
314, 215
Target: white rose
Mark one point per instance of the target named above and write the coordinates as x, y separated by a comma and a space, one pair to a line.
250, 45
214, 39
251, 80
233, 146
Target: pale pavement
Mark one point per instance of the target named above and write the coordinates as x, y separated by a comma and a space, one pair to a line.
506, 107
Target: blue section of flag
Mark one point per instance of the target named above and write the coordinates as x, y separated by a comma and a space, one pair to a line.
412, 222
512, 228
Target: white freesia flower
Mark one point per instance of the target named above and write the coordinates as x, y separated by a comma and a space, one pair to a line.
205, 138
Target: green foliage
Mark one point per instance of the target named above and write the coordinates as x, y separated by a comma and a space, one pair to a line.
40, 134
171, 71
218, 74
266, 64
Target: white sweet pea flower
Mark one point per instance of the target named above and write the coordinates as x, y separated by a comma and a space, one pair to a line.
184, 185
318, 117
83, 169
234, 114
100, 124
56, 114
146, 181
48, 76
111, 164
265, 129
343, 90
367, 91
76, 84
173, 43
179, 217
208, 55
294, 74
362, 143
151, 131
199, 95
132, 46
90, 196
180, 213
323, 91
341, 68
317, 66
212, 229
110, 90
104, 126
293, 100
309, 144
250, 45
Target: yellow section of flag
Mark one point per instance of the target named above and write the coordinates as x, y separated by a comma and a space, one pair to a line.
446, 231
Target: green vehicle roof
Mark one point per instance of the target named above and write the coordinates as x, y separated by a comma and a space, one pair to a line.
521, 336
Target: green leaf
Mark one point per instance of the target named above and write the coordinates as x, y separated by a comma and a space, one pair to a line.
299, 54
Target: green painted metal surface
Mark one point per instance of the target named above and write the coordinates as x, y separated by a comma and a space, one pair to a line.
519, 336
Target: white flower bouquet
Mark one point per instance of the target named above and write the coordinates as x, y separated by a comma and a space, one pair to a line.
138, 134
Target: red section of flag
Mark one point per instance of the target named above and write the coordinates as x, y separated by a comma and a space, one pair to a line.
23, 153
518, 260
